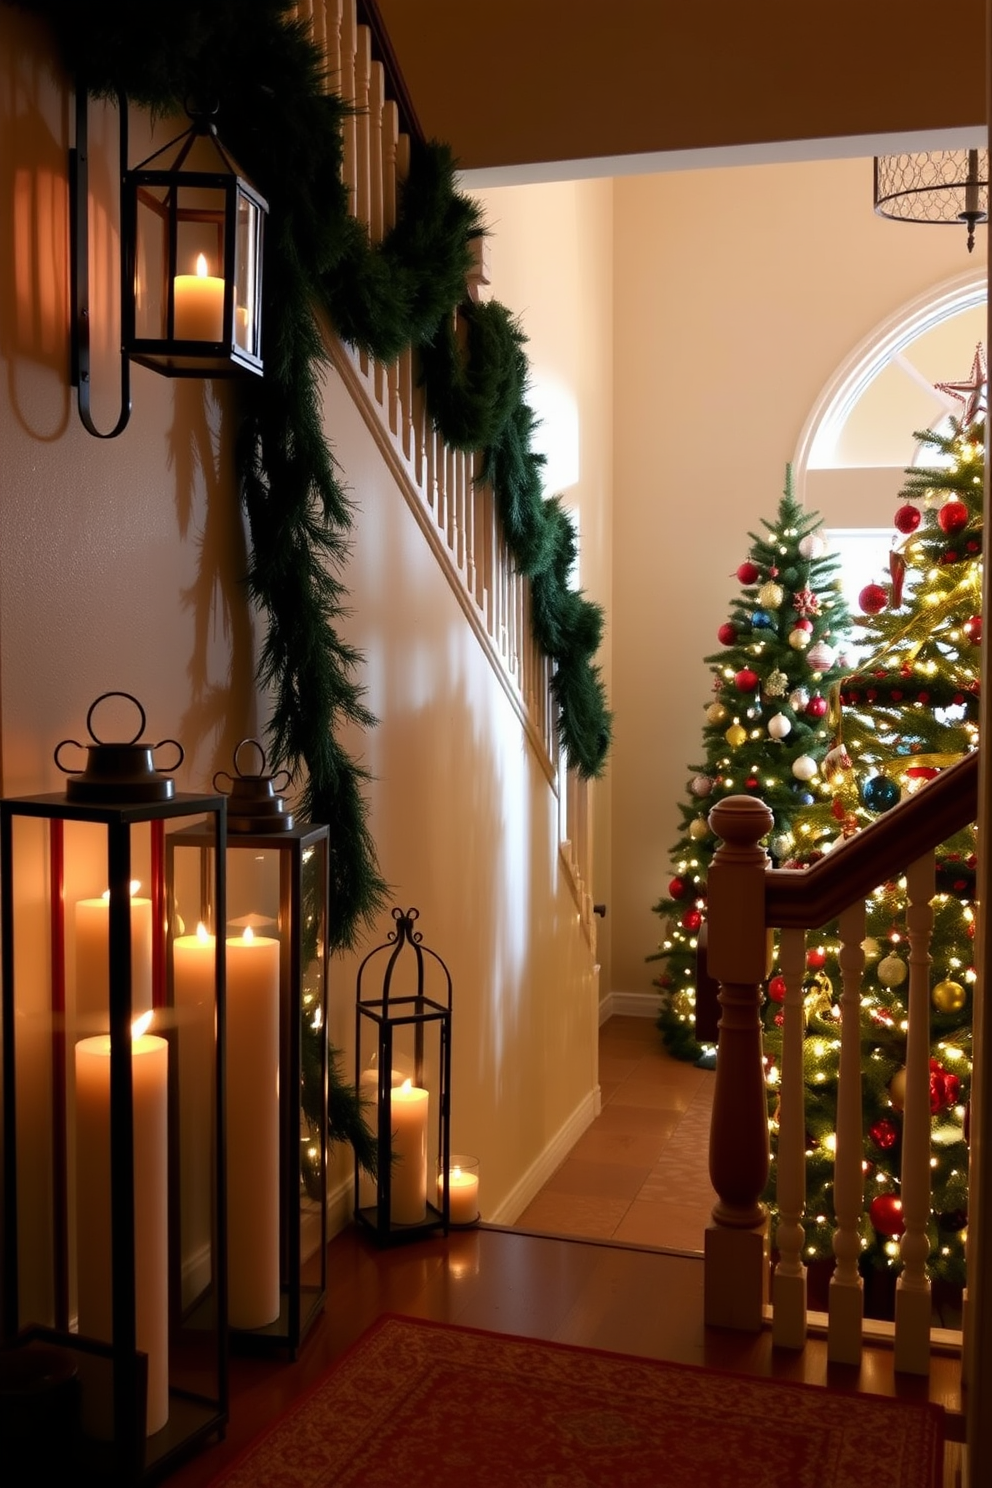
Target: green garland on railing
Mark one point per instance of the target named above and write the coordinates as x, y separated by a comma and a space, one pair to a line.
285, 131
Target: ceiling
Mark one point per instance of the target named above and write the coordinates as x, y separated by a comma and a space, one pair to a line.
544, 89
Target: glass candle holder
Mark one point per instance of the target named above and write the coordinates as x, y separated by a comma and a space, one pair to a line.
463, 1189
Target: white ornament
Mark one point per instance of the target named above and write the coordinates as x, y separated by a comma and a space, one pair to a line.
770, 596
716, 713
821, 657
804, 767
798, 699
892, 971
799, 639
781, 846
812, 545
701, 785
775, 684
779, 726
698, 828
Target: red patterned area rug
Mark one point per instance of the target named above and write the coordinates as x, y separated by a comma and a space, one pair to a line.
427, 1405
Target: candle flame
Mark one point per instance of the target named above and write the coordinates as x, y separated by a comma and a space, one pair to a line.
202, 933
141, 1025
406, 1087
201, 266
135, 886
456, 1171
249, 935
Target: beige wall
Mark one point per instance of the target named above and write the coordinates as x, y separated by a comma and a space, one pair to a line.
738, 293
120, 568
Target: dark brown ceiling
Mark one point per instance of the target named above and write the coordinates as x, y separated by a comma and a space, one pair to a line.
514, 82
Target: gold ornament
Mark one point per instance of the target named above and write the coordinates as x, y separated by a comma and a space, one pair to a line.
684, 1005
949, 997
818, 998
736, 735
897, 1090
770, 596
716, 713
698, 828
892, 971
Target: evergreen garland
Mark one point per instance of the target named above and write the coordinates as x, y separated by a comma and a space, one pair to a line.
268, 79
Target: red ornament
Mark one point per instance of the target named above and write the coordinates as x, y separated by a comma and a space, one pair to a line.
746, 680
817, 706
907, 518
748, 572
816, 959
885, 1214
973, 629
884, 1133
953, 515
692, 919
726, 635
944, 1088
802, 624
678, 888
776, 989
872, 599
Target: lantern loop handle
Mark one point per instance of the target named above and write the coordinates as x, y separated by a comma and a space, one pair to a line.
131, 699
79, 288
66, 769
180, 755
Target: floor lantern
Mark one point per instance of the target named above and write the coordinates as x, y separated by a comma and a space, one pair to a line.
93, 1059
403, 1056
277, 960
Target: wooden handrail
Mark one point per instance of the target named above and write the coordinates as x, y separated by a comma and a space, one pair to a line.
382, 50
807, 898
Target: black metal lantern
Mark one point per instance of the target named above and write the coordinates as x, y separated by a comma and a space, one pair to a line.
277, 965
190, 261
94, 1173
403, 1065
192, 229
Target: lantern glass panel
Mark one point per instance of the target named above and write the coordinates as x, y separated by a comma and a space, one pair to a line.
276, 930
247, 281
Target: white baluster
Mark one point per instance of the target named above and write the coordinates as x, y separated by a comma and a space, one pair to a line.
846, 1286
912, 1346
789, 1287
349, 124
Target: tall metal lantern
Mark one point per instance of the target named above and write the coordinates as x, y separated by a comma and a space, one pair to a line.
277, 967
403, 1065
95, 1176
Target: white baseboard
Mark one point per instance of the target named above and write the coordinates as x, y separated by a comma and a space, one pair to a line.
551, 1158
629, 1004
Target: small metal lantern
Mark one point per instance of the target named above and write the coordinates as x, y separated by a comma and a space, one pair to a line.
93, 1173
192, 232
403, 1064
277, 964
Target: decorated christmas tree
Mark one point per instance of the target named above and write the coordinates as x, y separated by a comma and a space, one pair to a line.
908, 711
765, 729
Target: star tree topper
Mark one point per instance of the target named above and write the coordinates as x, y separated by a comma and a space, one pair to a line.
972, 394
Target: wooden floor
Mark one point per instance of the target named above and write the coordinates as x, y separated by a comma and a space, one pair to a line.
601, 1292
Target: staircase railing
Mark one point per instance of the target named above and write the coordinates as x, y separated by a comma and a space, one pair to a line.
747, 901
455, 510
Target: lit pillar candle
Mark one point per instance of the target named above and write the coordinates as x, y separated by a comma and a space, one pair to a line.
463, 1194
93, 960
195, 982
408, 1179
199, 305
253, 1129
149, 1070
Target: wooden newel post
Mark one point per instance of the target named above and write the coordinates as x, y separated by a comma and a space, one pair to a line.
736, 1248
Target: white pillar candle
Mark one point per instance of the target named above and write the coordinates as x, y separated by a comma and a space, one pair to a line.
92, 961
252, 1130
195, 983
408, 1107
463, 1195
199, 305
149, 1070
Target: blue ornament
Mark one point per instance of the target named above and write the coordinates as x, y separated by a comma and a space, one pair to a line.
802, 795
761, 620
880, 793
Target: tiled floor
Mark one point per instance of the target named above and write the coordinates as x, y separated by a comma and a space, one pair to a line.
639, 1173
